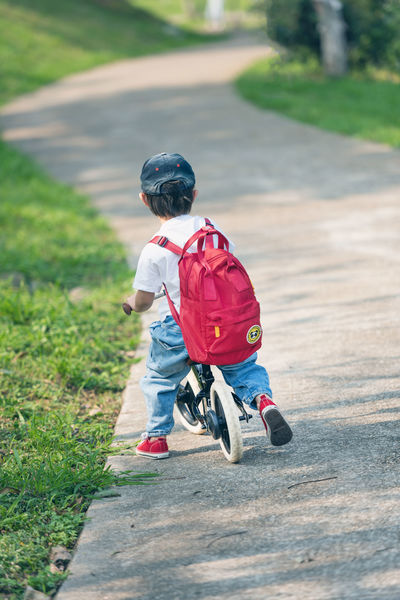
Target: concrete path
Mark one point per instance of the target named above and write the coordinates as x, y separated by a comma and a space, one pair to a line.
316, 218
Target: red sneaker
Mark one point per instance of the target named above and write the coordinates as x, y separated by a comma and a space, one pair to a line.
153, 447
275, 425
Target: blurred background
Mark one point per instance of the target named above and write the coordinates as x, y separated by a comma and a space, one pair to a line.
354, 41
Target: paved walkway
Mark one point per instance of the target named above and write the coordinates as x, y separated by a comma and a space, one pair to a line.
316, 218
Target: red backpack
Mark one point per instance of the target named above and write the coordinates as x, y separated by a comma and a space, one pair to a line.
219, 315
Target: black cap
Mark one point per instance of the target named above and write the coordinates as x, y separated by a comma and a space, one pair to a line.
164, 167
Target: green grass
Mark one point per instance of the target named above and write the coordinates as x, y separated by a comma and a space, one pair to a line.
64, 359
364, 105
43, 40
65, 345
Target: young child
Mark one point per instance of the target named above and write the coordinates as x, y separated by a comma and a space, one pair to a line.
168, 191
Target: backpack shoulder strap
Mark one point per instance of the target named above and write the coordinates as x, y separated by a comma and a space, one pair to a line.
164, 242
209, 239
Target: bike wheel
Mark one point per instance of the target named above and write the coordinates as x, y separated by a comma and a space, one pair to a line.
231, 434
186, 416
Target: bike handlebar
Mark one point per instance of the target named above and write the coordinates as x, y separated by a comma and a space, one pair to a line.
126, 308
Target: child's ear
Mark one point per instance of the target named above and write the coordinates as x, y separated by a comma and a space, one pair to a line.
143, 198
195, 194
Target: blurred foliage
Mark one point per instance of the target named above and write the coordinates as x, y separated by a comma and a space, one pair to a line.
373, 32
373, 29
293, 23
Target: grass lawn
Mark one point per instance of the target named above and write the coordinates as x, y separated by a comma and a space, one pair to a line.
360, 105
64, 359
43, 40
65, 345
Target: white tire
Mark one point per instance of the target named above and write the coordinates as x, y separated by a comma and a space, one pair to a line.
224, 405
195, 427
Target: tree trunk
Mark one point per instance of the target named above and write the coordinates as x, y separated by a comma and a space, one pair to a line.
332, 33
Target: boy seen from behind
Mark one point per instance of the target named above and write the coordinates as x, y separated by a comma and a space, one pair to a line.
168, 191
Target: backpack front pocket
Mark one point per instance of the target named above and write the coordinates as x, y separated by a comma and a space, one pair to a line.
234, 332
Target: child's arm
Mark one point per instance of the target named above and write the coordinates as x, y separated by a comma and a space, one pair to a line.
141, 301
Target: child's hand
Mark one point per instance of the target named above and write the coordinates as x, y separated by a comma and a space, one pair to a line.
139, 302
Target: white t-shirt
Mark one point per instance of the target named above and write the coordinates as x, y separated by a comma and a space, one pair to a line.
157, 265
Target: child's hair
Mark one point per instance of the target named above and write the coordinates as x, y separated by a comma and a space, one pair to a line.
173, 201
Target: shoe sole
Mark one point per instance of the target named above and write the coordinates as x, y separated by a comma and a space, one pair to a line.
152, 455
280, 432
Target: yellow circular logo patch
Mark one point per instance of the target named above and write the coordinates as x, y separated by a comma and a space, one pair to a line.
254, 334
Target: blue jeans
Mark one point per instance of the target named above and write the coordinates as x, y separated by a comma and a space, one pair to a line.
167, 366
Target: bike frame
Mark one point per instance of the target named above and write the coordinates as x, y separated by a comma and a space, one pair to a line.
205, 379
